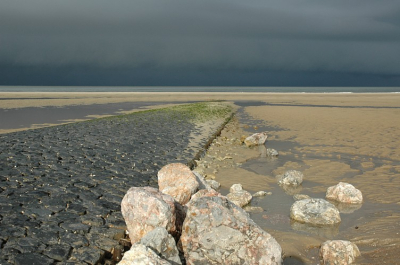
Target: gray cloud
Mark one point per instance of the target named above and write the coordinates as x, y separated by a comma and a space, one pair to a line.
360, 36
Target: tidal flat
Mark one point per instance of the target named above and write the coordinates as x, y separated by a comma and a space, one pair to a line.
330, 138
352, 138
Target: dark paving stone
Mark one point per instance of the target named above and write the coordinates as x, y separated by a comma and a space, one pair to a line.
9, 254
47, 235
54, 204
64, 216
76, 208
74, 240
71, 262
102, 242
58, 252
92, 220
25, 245
73, 177
38, 213
109, 232
7, 231
32, 259
90, 255
4, 262
77, 228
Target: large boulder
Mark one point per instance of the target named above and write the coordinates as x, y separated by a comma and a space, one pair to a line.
344, 193
315, 212
216, 231
145, 208
162, 244
141, 255
338, 252
256, 139
178, 181
291, 178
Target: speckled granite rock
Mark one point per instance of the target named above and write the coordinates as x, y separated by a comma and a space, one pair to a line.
315, 212
291, 178
344, 193
216, 231
177, 180
163, 244
337, 252
142, 255
256, 139
145, 209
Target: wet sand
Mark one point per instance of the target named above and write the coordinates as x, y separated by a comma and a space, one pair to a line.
329, 137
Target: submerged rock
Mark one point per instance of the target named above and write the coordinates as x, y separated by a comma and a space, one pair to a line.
338, 252
315, 212
256, 139
216, 231
344, 193
146, 208
253, 209
298, 197
347, 207
177, 180
272, 153
291, 178
260, 193
327, 231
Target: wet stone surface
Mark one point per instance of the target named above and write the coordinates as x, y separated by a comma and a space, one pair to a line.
61, 187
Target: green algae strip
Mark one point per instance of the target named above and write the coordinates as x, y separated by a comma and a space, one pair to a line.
199, 112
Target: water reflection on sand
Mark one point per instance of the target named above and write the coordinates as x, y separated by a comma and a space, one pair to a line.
329, 145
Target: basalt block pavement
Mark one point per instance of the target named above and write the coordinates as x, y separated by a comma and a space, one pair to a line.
61, 187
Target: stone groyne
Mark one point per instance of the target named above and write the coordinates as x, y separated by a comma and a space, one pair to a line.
61, 187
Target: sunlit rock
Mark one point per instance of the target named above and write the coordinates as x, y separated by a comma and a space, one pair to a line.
256, 139
178, 181
216, 231
315, 212
338, 252
344, 193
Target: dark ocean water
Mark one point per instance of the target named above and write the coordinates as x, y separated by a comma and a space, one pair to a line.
200, 89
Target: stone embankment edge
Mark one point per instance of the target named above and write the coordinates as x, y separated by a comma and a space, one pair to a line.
192, 163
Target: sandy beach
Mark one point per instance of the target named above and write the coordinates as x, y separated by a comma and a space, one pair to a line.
352, 138
42, 99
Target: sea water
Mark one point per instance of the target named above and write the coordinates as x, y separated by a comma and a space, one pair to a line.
199, 89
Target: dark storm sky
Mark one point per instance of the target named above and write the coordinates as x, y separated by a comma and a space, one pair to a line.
202, 42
